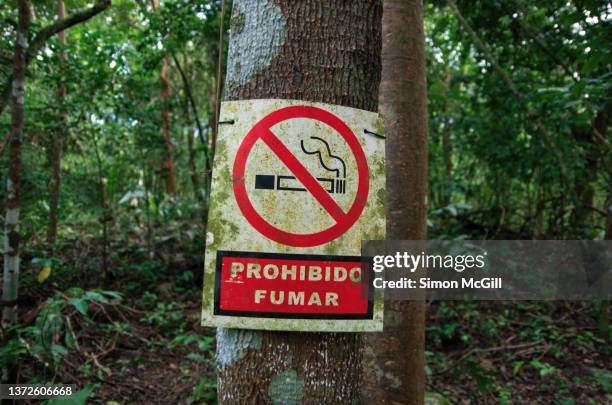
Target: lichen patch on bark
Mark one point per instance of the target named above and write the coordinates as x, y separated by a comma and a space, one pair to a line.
233, 345
286, 388
253, 45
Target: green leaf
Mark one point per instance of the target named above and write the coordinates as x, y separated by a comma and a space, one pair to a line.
112, 294
517, 367
69, 340
59, 350
80, 304
95, 296
42, 261
195, 357
75, 292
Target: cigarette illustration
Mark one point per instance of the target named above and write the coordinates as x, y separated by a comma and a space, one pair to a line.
290, 183
335, 185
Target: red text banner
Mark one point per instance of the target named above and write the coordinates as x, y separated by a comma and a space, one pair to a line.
291, 286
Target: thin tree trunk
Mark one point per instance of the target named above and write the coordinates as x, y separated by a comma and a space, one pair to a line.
394, 359
10, 278
58, 137
318, 50
13, 184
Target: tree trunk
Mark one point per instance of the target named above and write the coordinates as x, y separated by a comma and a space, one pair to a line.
13, 183
394, 359
58, 137
169, 167
317, 50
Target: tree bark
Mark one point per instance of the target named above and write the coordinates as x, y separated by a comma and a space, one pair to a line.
394, 360
13, 184
317, 50
58, 137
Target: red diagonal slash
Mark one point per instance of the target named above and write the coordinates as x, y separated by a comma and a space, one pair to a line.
301, 173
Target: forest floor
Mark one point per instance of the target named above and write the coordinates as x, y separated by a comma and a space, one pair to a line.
517, 352
148, 346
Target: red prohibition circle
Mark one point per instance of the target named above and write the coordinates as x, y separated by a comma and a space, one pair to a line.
262, 130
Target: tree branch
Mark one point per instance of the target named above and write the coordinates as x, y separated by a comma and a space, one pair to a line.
81, 16
42, 36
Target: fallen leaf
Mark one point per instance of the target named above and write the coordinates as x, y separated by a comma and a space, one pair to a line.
44, 274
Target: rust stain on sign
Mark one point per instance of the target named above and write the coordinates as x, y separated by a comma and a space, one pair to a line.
296, 187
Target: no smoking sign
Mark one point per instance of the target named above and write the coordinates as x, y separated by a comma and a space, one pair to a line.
296, 187
318, 174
